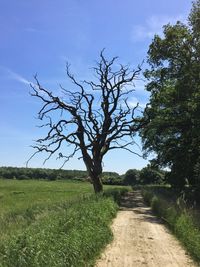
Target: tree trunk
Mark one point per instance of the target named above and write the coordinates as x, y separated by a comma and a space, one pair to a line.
94, 169
97, 184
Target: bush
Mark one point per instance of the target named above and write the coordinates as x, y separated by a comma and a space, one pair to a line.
112, 180
116, 194
156, 206
147, 195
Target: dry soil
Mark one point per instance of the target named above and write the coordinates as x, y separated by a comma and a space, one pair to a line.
140, 239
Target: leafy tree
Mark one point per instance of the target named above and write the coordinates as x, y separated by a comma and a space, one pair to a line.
112, 178
93, 120
150, 175
131, 177
174, 83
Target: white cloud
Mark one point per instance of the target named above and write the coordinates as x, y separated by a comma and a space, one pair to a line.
153, 25
133, 101
14, 76
139, 85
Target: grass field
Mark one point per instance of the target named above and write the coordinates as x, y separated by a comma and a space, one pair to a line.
31, 210
17, 195
23, 202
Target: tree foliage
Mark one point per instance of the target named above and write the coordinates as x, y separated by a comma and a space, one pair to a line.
174, 84
131, 177
39, 173
55, 174
150, 175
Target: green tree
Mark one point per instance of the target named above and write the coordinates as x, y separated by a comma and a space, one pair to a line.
131, 177
174, 85
150, 175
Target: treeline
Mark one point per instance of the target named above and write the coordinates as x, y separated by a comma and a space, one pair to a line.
147, 175
54, 174
132, 177
173, 113
40, 173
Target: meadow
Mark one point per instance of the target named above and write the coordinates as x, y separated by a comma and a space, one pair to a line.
54, 223
17, 195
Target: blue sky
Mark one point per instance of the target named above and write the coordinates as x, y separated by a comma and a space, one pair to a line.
40, 36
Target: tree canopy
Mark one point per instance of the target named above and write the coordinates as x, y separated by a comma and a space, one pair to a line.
174, 85
131, 177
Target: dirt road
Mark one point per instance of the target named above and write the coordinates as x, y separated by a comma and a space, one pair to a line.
140, 239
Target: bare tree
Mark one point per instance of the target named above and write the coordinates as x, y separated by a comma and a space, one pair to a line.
94, 119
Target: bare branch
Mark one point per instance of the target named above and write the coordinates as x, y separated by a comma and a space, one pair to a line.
93, 123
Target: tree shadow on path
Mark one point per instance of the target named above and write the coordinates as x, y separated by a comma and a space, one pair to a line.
133, 201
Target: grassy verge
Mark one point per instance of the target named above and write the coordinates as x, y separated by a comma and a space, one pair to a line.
70, 234
180, 219
24, 202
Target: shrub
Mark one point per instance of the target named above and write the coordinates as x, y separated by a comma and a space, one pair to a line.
156, 206
116, 194
147, 195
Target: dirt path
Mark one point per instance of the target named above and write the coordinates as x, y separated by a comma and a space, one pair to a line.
140, 239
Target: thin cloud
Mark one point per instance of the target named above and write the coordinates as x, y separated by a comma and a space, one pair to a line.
139, 85
11, 75
134, 101
30, 30
152, 26
14, 76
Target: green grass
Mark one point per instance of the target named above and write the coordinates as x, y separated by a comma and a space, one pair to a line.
54, 223
182, 220
24, 202
70, 237
16, 195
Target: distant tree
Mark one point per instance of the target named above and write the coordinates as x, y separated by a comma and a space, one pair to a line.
149, 175
112, 178
173, 77
94, 119
131, 177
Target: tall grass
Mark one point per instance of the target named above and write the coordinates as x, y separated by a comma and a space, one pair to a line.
69, 227
24, 202
180, 219
70, 237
